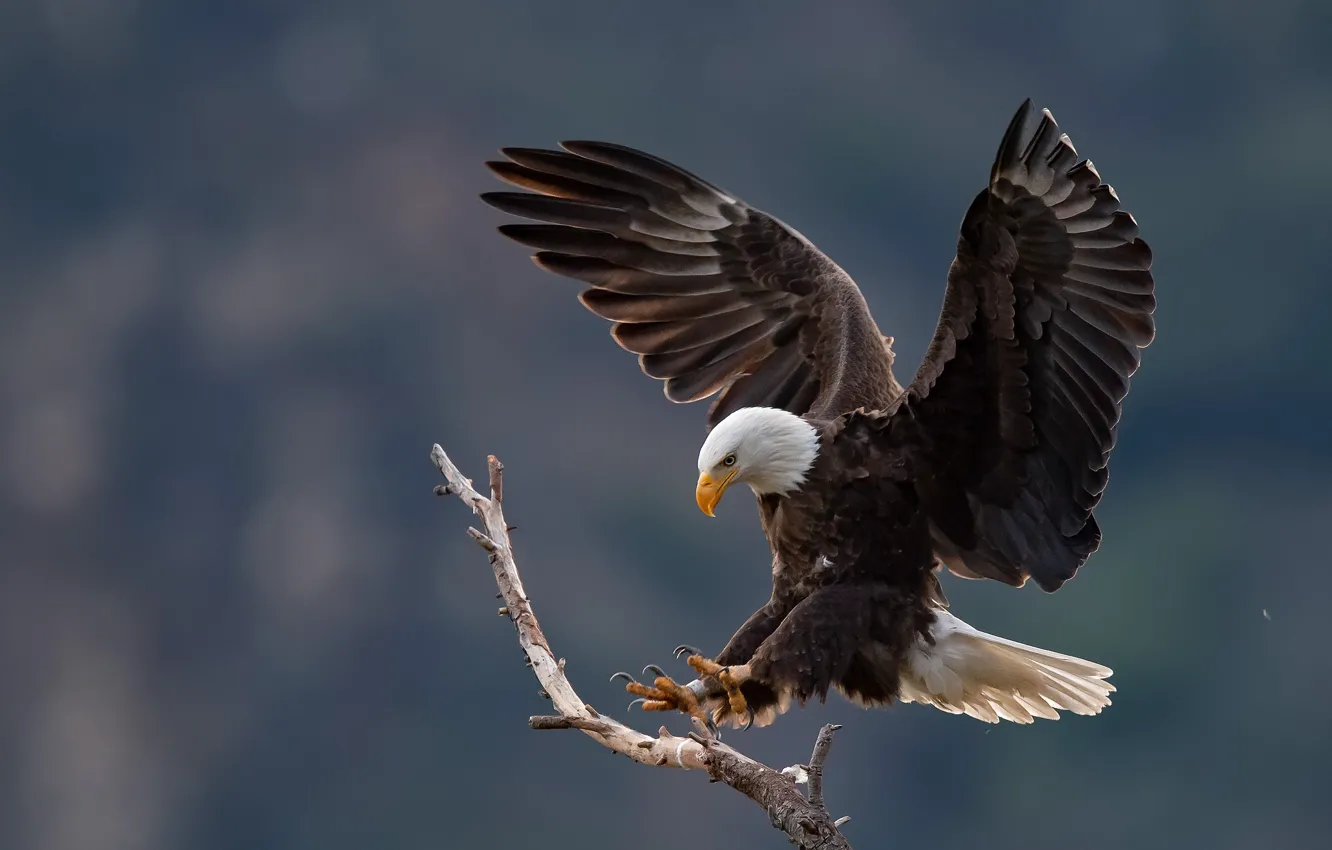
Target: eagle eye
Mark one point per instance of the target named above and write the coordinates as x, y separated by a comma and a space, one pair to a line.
729, 460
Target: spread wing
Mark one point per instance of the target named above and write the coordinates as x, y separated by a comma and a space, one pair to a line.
1049, 301
710, 293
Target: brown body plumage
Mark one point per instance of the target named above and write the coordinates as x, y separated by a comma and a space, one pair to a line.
990, 462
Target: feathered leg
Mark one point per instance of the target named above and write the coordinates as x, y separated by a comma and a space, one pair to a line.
812, 648
817, 642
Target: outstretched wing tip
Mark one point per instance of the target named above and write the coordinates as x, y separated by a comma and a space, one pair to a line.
579, 147
1009, 145
582, 146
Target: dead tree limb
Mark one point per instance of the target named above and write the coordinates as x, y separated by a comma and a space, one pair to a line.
806, 822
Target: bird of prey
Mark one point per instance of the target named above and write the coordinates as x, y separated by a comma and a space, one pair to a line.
989, 462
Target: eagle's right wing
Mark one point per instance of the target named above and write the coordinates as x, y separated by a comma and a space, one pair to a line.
711, 293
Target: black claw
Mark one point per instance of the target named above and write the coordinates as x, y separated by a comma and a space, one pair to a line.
712, 727
655, 669
626, 676
749, 718
685, 649
631, 705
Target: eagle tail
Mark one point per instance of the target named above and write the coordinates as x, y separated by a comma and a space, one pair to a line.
967, 671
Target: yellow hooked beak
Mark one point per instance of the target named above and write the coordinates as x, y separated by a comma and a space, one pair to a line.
709, 492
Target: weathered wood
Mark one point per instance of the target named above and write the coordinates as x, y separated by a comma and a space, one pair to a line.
806, 824
816, 760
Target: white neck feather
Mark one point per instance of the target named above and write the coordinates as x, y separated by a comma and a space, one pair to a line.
774, 448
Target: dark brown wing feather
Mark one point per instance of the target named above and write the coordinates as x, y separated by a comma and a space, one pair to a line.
1049, 302
709, 292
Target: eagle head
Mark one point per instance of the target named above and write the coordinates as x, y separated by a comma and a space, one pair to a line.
769, 449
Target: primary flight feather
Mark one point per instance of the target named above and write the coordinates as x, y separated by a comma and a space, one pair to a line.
989, 462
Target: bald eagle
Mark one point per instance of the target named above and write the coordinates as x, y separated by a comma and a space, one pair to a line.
989, 463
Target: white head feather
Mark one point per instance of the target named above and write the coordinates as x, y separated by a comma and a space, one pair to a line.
774, 449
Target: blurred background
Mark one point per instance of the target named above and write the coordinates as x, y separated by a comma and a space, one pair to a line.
247, 284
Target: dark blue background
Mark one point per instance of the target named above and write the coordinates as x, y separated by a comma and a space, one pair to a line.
247, 283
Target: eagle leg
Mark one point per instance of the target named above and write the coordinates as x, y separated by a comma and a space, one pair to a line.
731, 679
665, 694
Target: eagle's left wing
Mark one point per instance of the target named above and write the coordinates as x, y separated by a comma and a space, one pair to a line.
1049, 300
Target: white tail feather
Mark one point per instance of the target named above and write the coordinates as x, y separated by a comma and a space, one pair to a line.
989, 678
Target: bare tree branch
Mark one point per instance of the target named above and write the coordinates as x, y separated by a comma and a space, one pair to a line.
816, 760
807, 825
